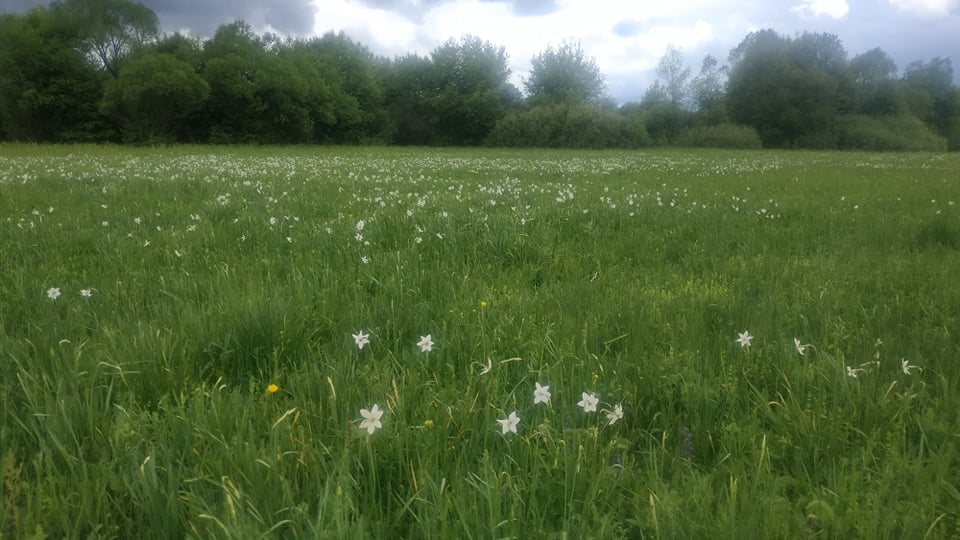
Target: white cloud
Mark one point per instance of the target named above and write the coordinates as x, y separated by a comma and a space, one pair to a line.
926, 8
831, 8
384, 32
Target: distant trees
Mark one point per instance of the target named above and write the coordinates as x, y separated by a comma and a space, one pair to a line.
48, 89
110, 29
99, 70
565, 75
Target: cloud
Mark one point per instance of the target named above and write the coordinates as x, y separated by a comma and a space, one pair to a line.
203, 17
386, 32
925, 8
831, 8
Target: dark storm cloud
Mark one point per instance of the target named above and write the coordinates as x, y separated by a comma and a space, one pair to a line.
19, 6
202, 17
414, 10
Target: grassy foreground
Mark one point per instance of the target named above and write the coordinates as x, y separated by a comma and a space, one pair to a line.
196, 342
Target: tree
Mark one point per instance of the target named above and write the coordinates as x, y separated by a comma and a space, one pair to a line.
261, 96
875, 90
111, 29
470, 76
565, 74
155, 97
707, 91
933, 98
361, 108
408, 85
674, 76
48, 90
782, 89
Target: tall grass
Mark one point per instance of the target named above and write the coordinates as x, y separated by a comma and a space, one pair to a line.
136, 403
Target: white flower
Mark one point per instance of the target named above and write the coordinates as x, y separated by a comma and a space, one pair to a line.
371, 419
905, 366
509, 423
744, 338
541, 394
588, 402
360, 225
851, 372
364, 259
425, 343
361, 339
53, 293
86, 293
615, 414
800, 348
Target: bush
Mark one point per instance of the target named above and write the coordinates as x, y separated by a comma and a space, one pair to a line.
565, 125
724, 135
898, 133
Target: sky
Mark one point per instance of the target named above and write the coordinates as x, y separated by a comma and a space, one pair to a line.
625, 37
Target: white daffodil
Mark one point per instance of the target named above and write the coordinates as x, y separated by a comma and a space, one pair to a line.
425, 343
361, 339
509, 423
53, 293
588, 402
615, 414
744, 338
800, 348
541, 394
371, 419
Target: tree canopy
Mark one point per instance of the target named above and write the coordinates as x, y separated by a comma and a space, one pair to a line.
100, 70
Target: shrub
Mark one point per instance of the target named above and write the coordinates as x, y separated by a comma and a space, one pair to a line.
899, 133
565, 125
725, 135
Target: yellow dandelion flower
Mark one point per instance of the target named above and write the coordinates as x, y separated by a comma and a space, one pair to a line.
483, 304
272, 388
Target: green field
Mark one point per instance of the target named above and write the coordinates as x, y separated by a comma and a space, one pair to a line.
179, 335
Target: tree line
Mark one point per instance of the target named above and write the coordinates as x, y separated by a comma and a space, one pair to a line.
101, 71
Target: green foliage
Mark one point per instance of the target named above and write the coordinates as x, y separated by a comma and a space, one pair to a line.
109, 30
890, 133
565, 125
719, 136
665, 122
784, 88
564, 75
48, 91
155, 97
64, 76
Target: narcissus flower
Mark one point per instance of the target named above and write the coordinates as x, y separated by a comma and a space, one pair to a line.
425, 343
371, 419
361, 339
744, 338
541, 394
509, 423
615, 414
588, 402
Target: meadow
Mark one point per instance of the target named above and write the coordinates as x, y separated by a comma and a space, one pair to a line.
213, 342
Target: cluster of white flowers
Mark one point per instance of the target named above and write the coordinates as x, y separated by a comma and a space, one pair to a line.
541, 395
744, 338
